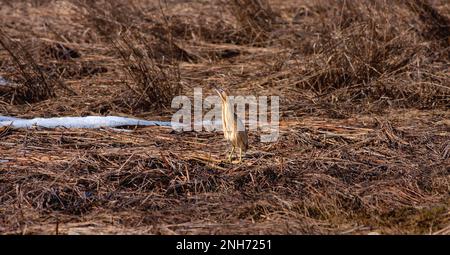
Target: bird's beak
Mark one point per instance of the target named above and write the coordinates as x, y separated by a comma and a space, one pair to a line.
219, 91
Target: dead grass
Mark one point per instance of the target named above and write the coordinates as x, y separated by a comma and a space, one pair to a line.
153, 84
364, 143
255, 18
35, 85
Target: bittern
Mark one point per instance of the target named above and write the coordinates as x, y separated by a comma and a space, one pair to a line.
233, 129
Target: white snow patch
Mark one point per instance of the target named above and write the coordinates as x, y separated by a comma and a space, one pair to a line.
79, 122
96, 122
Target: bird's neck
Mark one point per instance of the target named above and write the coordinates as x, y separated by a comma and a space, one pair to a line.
228, 112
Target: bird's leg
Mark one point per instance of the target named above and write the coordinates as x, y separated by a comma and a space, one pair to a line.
231, 154
227, 152
240, 155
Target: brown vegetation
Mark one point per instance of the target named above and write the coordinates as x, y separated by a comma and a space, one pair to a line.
364, 143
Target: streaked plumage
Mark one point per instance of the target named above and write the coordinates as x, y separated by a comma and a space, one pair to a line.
234, 130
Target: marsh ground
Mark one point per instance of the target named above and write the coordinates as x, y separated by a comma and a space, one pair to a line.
364, 134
